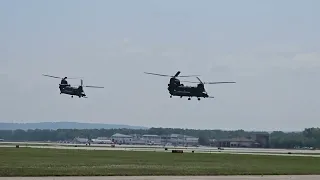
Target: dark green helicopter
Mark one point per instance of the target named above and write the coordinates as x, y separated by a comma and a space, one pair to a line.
175, 87
66, 88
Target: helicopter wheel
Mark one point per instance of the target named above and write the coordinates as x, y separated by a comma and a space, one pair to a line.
189, 98
180, 96
199, 99
71, 96
171, 96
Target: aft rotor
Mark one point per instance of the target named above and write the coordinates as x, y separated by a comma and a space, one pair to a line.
200, 82
81, 85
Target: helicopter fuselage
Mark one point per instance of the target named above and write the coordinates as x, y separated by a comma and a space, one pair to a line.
187, 91
189, 94
73, 91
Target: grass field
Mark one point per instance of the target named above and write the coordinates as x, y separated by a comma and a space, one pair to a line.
57, 162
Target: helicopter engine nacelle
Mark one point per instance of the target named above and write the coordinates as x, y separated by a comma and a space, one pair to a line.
80, 88
174, 82
200, 87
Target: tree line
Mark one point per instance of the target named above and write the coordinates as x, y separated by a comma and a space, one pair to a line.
309, 137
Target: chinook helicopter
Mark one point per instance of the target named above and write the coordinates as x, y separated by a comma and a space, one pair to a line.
175, 87
66, 88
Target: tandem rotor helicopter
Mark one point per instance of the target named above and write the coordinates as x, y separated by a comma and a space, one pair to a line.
66, 88
175, 88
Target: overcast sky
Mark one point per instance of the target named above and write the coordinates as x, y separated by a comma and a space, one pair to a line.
270, 48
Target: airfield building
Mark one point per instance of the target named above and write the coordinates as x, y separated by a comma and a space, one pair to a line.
102, 140
235, 142
179, 140
151, 139
79, 140
174, 139
121, 138
261, 140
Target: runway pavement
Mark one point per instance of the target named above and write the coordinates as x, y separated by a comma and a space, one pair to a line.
311, 177
252, 151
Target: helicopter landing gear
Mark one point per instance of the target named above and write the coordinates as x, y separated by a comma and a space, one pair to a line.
71, 96
180, 96
171, 96
189, 98
199, 99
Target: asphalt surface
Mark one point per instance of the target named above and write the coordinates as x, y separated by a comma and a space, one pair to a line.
252, 151
311, 177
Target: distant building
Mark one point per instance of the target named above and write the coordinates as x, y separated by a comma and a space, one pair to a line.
78, 140
102, 140
151, 139
176, 139
180, 140
137, 139
212, 142
236, 142
121, 138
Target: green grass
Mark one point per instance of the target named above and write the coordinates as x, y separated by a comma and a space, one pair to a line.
56, 162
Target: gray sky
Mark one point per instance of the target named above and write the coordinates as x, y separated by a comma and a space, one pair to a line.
270, 48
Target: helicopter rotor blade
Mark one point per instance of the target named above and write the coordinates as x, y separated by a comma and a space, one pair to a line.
74, 77
190, 76
157, 74
176, 75
218, 82
199, 80
52, 76
61, 77
208, 82
190, 82
94, 86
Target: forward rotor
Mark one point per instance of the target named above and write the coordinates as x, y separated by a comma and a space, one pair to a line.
176, 75
57, 77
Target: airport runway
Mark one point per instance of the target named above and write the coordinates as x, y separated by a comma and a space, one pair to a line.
311, 177
152, 147
251, 151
